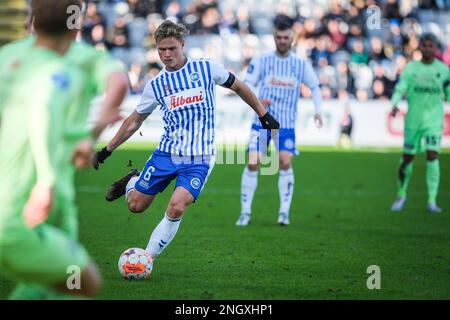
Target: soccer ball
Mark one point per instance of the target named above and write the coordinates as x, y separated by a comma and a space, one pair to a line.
135, 264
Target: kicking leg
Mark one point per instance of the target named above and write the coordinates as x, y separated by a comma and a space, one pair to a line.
165, 231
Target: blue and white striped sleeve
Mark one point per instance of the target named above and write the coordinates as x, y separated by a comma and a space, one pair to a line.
312, 82
148, 101
252, 75
219, 73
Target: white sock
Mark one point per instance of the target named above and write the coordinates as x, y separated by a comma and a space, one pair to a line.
248, 187
162, 235
286, 189
130, 186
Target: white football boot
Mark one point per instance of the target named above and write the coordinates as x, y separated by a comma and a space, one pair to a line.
433, 208
398, 204
243, 220
283, 219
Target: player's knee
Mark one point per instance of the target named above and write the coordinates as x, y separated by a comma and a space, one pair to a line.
176, 208
136, 207
407, 158
285, 164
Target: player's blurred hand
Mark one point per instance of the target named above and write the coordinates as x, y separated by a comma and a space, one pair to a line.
111, 116
266, 102
100, 157
81, 157
38, 206
269, 122
394, 111
318, 120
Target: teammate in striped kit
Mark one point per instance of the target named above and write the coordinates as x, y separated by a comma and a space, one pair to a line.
185, 92
278, 76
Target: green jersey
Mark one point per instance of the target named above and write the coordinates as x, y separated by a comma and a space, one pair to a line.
94, 67
36, 92
425, 86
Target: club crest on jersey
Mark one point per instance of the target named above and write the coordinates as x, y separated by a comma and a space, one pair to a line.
184, 98
195, 183
289, 144
194, 76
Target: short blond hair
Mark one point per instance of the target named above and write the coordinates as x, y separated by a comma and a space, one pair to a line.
169, 29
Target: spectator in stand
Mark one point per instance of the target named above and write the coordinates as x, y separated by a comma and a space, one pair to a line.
359, 55
92, 19
139, 8
210, 21
118, 34
376, 50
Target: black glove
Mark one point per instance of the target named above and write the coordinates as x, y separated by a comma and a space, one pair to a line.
269, 122
100, 157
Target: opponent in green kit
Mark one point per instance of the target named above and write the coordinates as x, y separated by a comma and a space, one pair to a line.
426, 83
37, 90
98, 73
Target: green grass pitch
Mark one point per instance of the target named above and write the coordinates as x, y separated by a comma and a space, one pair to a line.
340, 225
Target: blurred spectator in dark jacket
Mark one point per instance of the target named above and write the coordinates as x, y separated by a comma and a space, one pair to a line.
118, 34
92, 19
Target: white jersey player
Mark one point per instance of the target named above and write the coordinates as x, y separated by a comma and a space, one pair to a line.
278, 77
185, 92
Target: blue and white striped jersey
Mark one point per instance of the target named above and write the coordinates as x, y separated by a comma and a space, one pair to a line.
187, 99
279, 79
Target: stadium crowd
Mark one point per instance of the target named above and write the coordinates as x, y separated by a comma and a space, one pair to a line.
357, 47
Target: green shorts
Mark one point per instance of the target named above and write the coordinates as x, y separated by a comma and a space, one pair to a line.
41, 255
64, 216
416, 141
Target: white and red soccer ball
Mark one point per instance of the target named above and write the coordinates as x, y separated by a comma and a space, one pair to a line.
135, 264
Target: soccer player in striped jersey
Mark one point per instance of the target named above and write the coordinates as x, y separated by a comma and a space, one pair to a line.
278, 77
185, 92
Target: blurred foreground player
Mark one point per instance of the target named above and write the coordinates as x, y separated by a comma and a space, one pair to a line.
37, 89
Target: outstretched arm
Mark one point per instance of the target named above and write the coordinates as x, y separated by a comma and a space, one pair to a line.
126, 130
267, 121
226, 79
130, 125
248, 96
